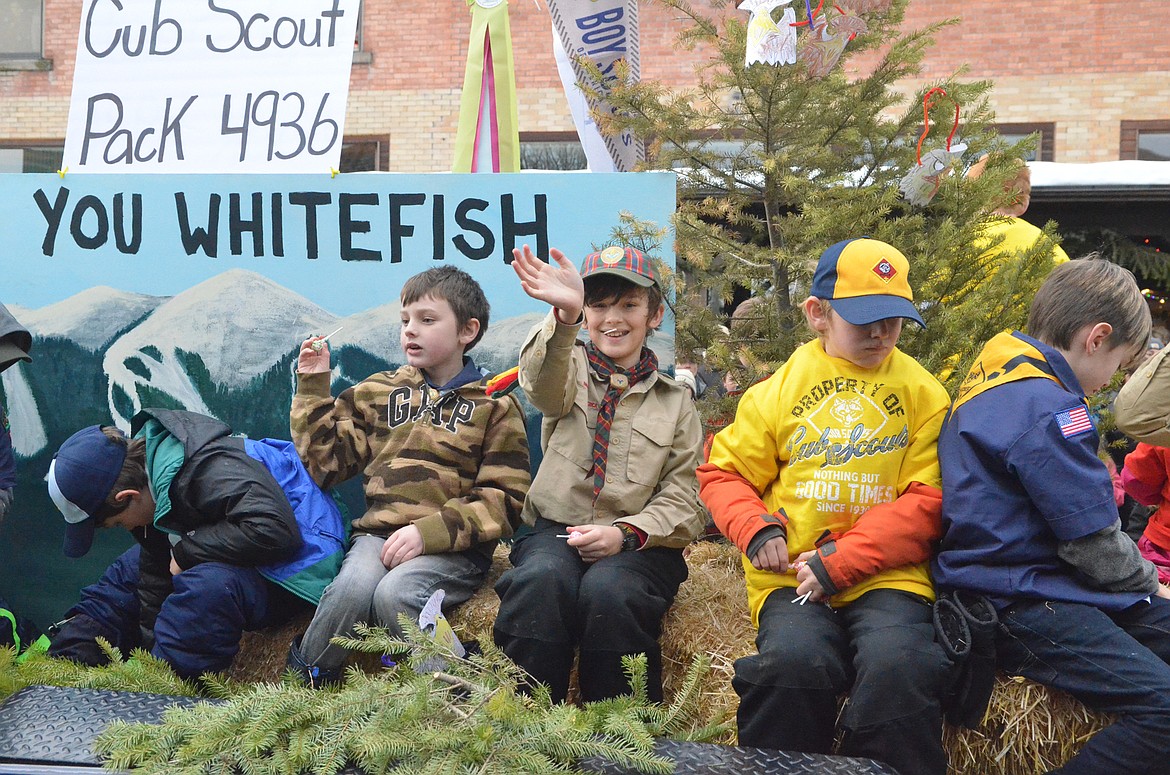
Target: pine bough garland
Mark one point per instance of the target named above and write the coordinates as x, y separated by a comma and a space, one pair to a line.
471, 716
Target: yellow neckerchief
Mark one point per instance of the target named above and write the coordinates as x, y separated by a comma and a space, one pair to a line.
1005, 358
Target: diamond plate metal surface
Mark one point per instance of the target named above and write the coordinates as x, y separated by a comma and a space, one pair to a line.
55, 725
710, 759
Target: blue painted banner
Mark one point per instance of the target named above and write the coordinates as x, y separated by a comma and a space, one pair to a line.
195, 291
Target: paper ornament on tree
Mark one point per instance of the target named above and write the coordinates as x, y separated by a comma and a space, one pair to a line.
920, 184
767, 41
822, 48
433, 623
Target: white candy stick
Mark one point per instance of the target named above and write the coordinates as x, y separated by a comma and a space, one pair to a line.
317, 345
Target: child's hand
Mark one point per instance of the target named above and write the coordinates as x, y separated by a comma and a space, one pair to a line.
559, 285
404, 544
313, 360
807, 580
1163, 591
773, 556
594, 542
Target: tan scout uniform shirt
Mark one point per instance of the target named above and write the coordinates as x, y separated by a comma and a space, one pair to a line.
654, 447
1142, 408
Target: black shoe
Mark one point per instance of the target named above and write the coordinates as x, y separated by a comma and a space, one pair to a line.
313, 676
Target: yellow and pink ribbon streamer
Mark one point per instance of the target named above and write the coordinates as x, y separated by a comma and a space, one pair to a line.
488, 136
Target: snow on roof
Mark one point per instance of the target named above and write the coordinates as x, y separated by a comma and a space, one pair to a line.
1110, 174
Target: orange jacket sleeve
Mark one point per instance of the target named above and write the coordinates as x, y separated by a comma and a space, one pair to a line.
889, 535
1146, 465
735, 505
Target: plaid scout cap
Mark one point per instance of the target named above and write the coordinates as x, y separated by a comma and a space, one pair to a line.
627, 263
867, 280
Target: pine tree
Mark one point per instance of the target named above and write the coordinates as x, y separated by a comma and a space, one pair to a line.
817, 159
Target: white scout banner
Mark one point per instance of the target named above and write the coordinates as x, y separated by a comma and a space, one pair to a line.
210, 86
602, 32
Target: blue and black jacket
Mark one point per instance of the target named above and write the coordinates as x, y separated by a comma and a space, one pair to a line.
243, 502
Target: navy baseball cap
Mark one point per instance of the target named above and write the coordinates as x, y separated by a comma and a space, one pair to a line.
867, 280
81, 476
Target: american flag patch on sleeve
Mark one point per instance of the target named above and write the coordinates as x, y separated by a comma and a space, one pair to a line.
1073, 421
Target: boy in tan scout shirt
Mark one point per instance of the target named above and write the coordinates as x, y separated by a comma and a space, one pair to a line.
444, 464
615, 499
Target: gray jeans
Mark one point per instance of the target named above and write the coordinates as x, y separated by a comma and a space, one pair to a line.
364, 591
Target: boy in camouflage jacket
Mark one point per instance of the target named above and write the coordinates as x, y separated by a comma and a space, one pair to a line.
444, 464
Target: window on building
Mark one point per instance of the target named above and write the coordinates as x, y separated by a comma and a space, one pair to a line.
551, 151
1154, 146
1044, 132
1145, 140
33, 158
362, 154
20, 29
360, 55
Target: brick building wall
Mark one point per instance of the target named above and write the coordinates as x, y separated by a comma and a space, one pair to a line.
1084, 67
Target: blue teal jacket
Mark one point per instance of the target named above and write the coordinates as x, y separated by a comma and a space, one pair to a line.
220, 498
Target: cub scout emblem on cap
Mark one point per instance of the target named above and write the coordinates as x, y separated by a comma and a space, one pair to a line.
612, 255
885, 270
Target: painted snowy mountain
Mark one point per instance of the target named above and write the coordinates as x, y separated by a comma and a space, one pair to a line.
225, 347
242, 329
90, 318
238, 323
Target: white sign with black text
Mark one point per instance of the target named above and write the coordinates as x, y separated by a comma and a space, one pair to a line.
210, 85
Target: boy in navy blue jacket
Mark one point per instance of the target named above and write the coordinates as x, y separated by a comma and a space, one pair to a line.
232, 535
1030, 522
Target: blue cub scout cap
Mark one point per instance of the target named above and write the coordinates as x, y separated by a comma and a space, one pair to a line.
80, 478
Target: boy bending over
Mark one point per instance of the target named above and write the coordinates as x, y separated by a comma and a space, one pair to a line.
1030, 520
232, 535
445, 467
615, 499
828, 481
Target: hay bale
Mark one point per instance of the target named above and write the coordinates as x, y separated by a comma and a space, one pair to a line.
709, 616
263, 653
1028, 728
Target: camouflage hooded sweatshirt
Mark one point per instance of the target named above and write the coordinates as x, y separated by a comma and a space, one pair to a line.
454, 463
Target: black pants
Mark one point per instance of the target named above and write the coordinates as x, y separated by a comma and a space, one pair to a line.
879, 649
552, 602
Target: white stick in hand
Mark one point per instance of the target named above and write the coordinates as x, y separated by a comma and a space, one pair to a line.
317, 345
